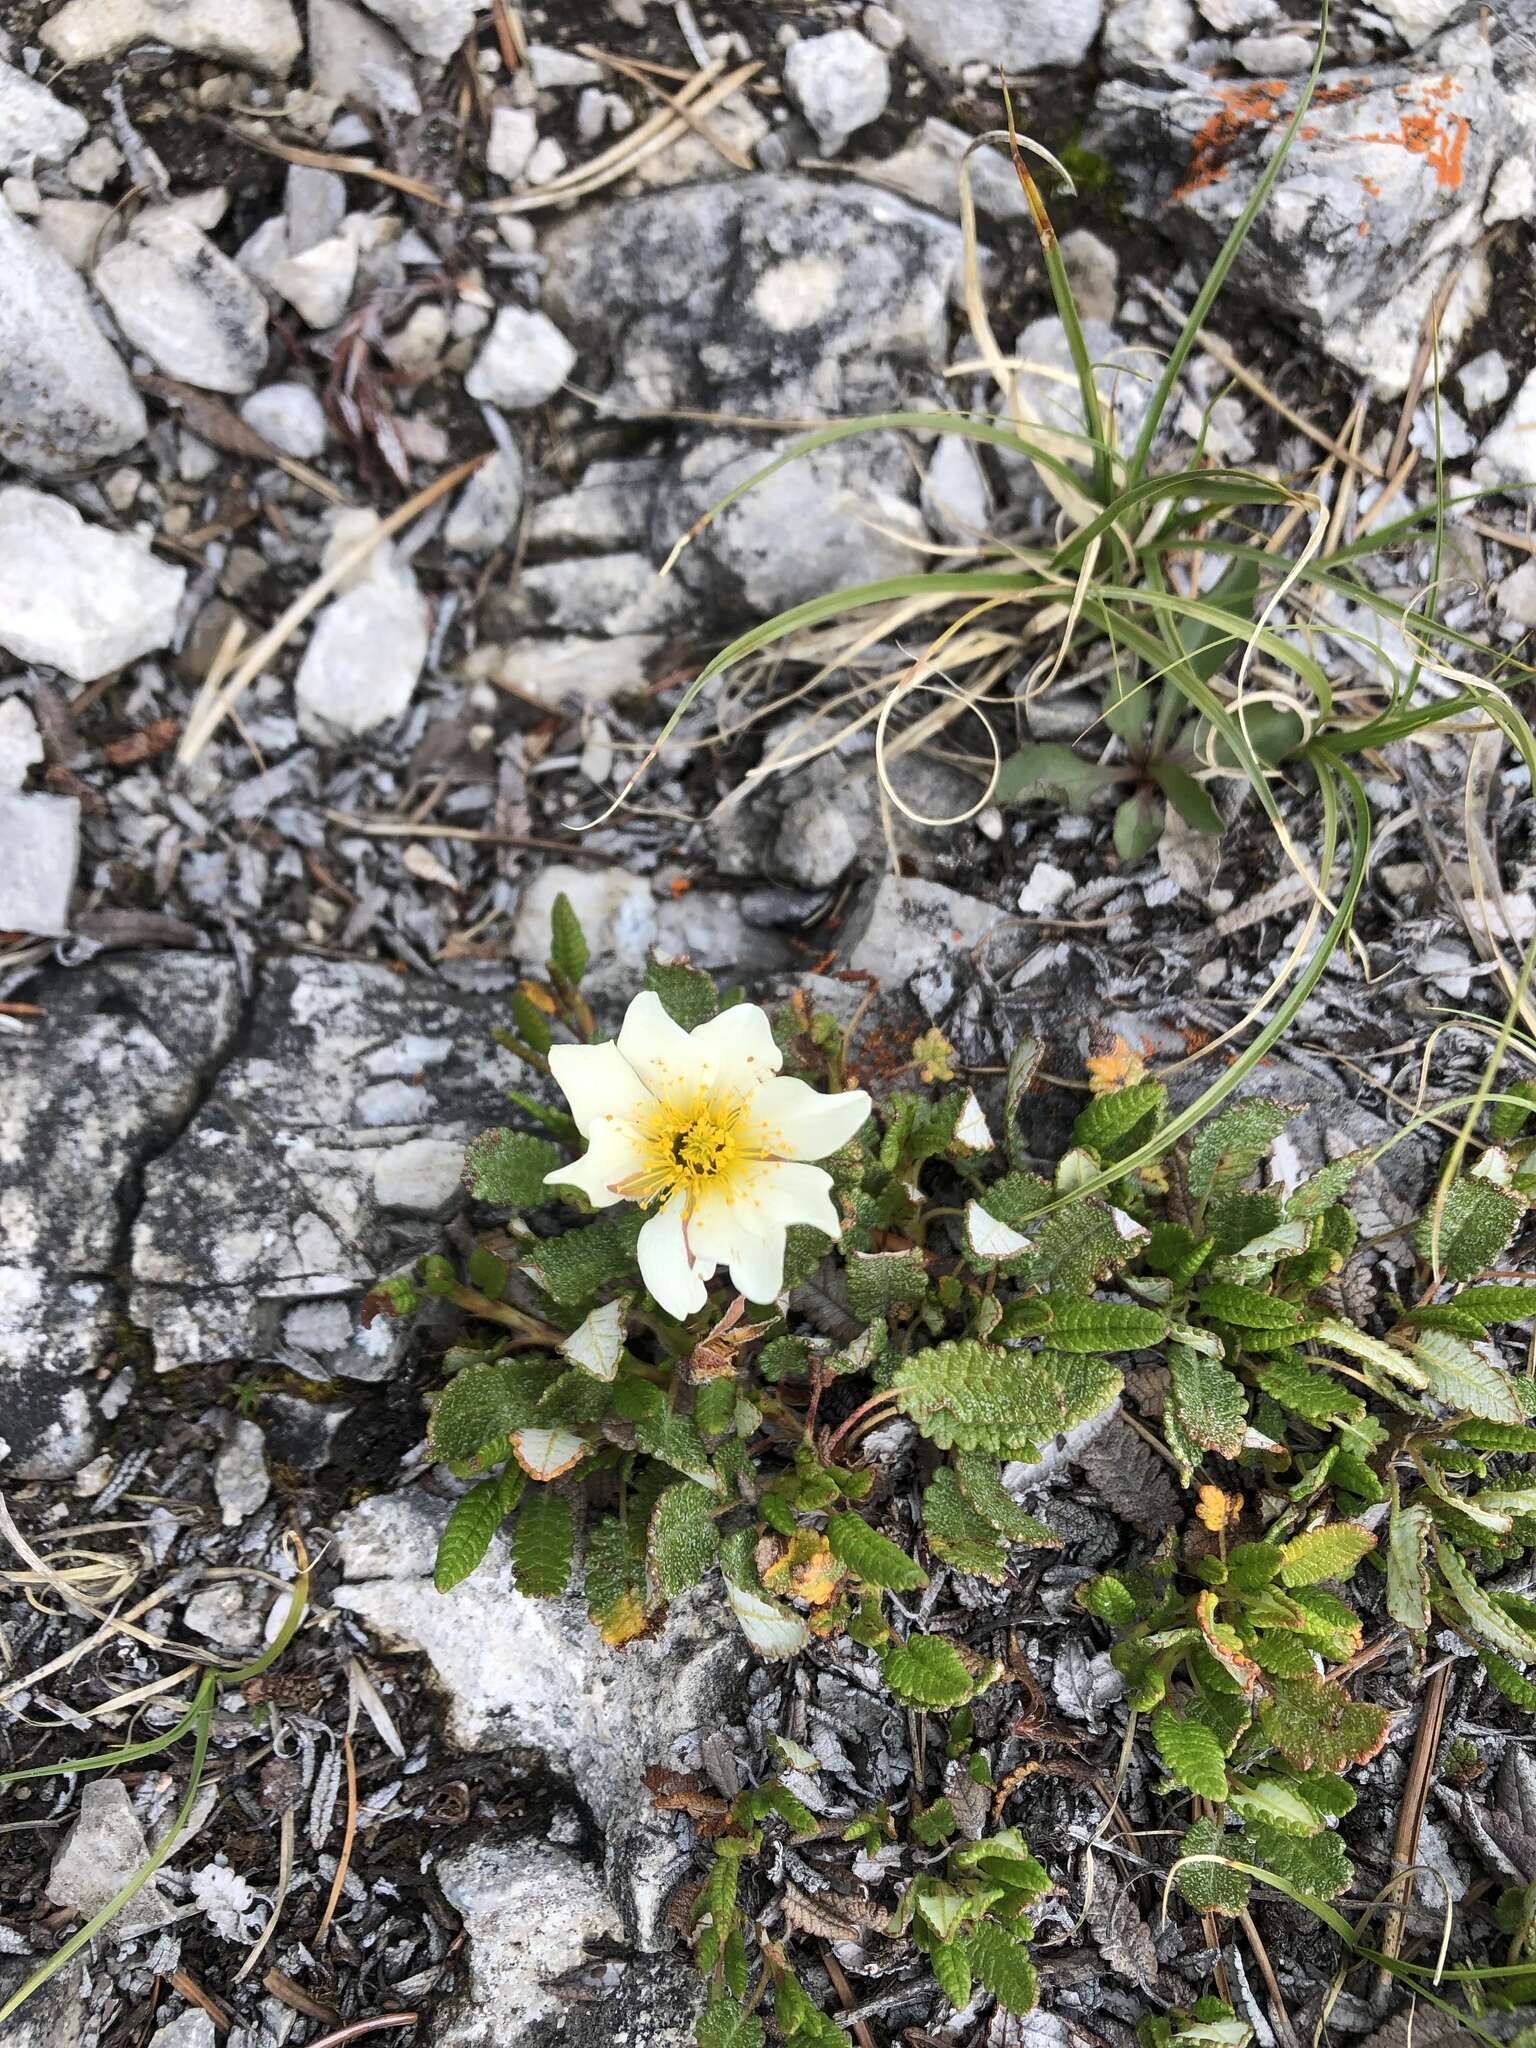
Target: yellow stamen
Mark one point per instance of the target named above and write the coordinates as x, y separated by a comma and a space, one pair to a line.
692, 1143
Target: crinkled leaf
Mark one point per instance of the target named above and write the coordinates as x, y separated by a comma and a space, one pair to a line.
615, 1581
1211, 1887
1230, 1147
959, 1535
1475, 1223
1212, 1407
507, 1169
573, 1267
1248, 1308
681, 1542
542, 1542
872, 1557
1113, 1124
723, 2024
878, 1281
1279, 1803
1407, 1567
568, 951
1099, 1326
1488, 1620
1316, 1726
475, 1414
1331, 1552
1191, 1754
687, 994
929, 1671
1465, 1379
981, 1481
1001, 1965
467, 1535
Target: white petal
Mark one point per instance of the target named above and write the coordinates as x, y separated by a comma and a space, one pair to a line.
743, 1234
658, 1050
613, 1154
597, 1078
792, 1121
735, 1050
786, 1192
666, 1266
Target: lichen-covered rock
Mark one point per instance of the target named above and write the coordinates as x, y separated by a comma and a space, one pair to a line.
1381, 194
66, 399
107, 1079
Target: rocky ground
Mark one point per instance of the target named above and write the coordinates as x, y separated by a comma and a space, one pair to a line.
286, 794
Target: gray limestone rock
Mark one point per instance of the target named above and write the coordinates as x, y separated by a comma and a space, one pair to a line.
263, 34
432, 28
918, 934
292, 1188
1381, 193
840, 82
1018, 35
66, 400
534, 1674
76, 596
106, 1081
178, 297
100, 1853
35, 128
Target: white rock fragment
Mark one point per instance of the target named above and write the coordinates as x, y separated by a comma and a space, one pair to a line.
240, 1478
617, 912
354, 58
1281, 55
180, 299
840, 82
291, 417
35, 128
1417, 20
1512, 193
1046, 890
318, 282
364, 658
79, 229
514, 135
263, 34
1484, 381
525, 361
66, 401
488, 507
1517, 595
419, 342
1509, 453
1018, 35
434, 29
421, 1177
75, 596
1147, 32
39, 834
314, 206
100, 1853
882, 28
546, 163
555, 69
189, 2029
956, 500
95, 165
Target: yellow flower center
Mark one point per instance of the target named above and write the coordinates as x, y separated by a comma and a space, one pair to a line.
694, 1144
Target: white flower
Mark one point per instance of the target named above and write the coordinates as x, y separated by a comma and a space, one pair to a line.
701, 1126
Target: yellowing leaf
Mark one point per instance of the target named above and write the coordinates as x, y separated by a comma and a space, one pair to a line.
1218, 1510
1115, 1069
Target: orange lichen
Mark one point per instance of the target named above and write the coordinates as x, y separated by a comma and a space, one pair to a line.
1241, 107
1429, 130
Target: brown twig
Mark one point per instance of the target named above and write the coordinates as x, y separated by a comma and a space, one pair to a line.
194, 1994
1284, 2031
1410, 1818
357, 2028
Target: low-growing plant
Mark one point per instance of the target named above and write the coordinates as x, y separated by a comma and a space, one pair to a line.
992, 1309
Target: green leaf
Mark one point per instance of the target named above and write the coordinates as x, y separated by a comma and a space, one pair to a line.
1314, 1864
1476, 1222
1497, 1303
1191, 1754
543, 1539
507, 1169
681, 1543
960, 1536
1312, 1395
1229, 1149
1464, 1379
1253, 1566
1211, 1887
467, 1537
872, 1557
580, 1263
1002, 1966
1331, 1552
1487, 1620
1115, 1123
1049, 770
532, 1023
1109, 1598
981, 1481
950, 1962
1316, 1726
1327, 1186
1506, 1120
977, 1396
687, 994
878, 1281
568, 952
1248, 1308
1212, 1407
1138, 826
1509, 1681
1278, 1803
615, 1580
1187, 796
475, 1414
1407, 1568
935, 1824
1208, 646
723, 2024
1099, 1326
929, 1671
1372, 1351
1496, 1436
